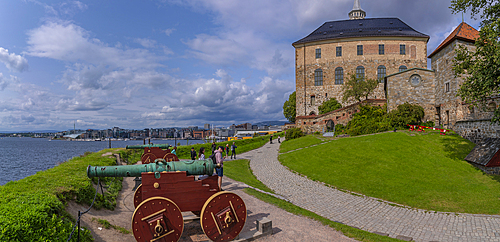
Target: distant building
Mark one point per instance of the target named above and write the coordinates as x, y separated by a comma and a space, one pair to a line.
206, 126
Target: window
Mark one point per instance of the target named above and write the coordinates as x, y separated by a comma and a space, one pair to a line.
318, 53
402, 49
381, 49
339, 76
492, 106
447, 87
313, 100
318, 77
339, 50
326, 95
381, 73
402, 68
360, 50
360, 73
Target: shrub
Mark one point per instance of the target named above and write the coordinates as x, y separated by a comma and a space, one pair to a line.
428, 124
329, 106
406, 114
293, 133
317, 132
370, 119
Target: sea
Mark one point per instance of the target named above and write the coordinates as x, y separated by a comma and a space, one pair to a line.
21, 157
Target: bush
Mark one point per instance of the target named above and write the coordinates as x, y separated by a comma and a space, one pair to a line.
293, 133
317, 132
370, 119
406, 114
427, 124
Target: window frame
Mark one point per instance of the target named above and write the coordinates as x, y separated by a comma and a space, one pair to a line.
338, 51
339, 76
360, 73
318, 53
318, 78
447, 87
380, 78
405, 68
402, 49
313, 100
381, 49
360, 49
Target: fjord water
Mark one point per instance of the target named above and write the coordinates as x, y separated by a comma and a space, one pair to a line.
22, 157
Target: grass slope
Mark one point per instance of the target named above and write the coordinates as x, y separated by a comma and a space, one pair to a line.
305, 141
423, 171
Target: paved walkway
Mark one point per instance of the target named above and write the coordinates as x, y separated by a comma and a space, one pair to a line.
367, 213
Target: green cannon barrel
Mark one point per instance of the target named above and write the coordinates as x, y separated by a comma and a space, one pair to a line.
161, 146
191, 167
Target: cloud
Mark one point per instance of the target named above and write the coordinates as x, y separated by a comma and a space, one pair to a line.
146, 43
3, 82
12, 61
168, 32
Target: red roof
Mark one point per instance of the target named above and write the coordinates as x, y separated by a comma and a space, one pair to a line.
463, 32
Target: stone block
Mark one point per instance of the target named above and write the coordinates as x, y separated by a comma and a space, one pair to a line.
265, 226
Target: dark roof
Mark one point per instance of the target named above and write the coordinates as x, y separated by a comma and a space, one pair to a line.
484, 152
463, 32
367, 27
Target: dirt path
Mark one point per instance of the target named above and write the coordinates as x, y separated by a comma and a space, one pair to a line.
286, 226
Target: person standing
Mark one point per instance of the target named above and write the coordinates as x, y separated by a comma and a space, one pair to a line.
202, 154
227, 150
279, 139
219, 166
233, 150
193, 154
214, 147
271, 139
174, 151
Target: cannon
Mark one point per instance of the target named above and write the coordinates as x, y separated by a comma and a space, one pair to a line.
154, 151
169, 188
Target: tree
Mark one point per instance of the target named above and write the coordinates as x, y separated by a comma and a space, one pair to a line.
357, 88
289, 108
329, 106
480, 67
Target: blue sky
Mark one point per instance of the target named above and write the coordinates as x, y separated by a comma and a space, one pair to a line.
163, 63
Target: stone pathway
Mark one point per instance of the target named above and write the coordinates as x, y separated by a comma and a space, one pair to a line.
368, 213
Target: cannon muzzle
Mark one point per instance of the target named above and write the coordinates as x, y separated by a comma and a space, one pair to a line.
161, 146
191, 167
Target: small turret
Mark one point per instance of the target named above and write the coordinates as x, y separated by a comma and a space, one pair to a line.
357, 12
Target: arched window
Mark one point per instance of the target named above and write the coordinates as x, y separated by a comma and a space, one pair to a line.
492, 106
339, 76
402, 68
360, 73
381, 73
318, 77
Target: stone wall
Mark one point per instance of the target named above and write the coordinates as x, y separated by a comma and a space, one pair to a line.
487, 170
416, 50
477, 130
400, 90
317, 123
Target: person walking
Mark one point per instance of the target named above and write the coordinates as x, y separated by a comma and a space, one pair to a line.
271, 139
219, 166
193, 154
279, 139
233, 150
214, 147
227, 150
202, 153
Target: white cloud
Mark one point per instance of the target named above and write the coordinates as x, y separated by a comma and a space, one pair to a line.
3, 82
13, 61
146, 43
168, 32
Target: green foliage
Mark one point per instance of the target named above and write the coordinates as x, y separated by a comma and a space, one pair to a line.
422, 171
428, 124
356, 88
406, 114
293, 134
369, 119
31, 209
480, 68
289, 108
329, 106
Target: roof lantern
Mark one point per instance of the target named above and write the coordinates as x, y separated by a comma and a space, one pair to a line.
357, 12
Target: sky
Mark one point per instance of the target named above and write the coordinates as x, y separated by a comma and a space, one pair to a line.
139, 64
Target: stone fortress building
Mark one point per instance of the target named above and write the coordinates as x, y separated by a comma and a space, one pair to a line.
390, 51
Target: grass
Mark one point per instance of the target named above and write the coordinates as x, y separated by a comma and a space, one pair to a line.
107, 225
302, 142
424, 171
239, 170
33, 207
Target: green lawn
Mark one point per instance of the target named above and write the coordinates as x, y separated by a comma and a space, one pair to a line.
423, 171
302, 142
239, 170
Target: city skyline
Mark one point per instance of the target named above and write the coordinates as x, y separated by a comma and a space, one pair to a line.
167, 63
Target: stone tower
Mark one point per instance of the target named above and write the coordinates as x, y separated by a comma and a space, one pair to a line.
357, 12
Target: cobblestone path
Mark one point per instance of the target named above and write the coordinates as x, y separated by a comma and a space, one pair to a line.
368, 213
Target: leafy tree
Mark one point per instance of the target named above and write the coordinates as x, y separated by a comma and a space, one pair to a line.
356, 88
289, 108
329, 106
406, 114
480, 67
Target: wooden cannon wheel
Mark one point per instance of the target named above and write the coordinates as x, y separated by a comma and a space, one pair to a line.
157, 219
147, 158
138, 196
170, 157
223, 216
